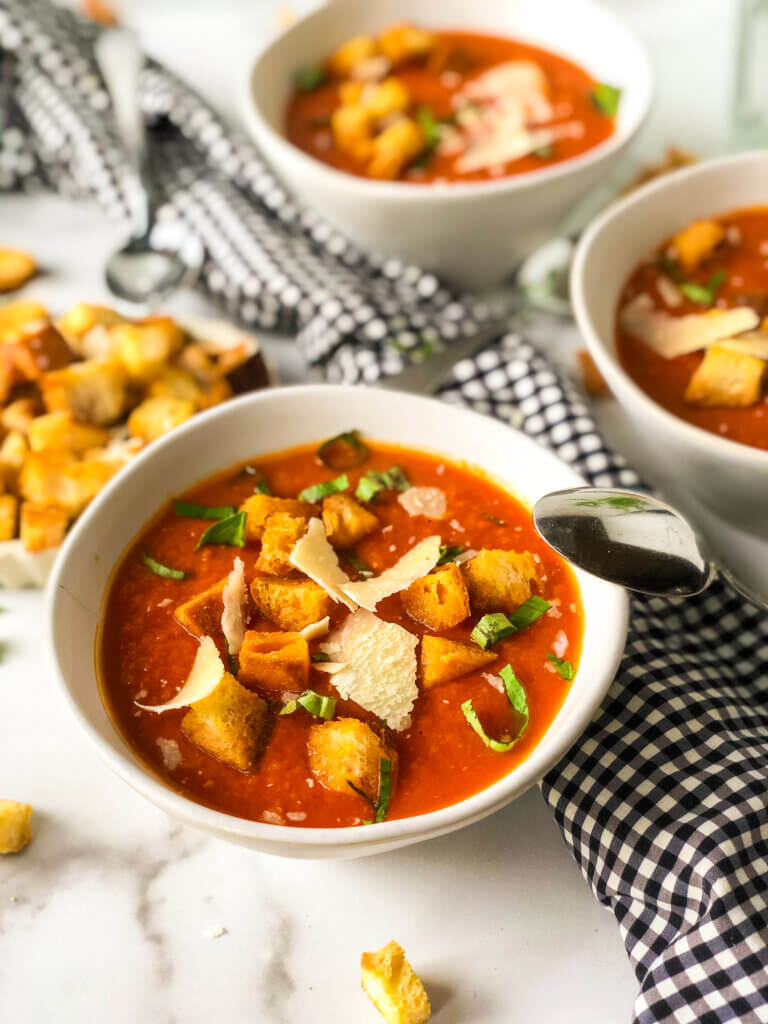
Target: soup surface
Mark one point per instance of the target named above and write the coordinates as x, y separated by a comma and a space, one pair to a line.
436, 756
673, 339
446, 106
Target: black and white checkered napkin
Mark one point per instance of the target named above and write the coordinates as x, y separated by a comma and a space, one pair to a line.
664, 800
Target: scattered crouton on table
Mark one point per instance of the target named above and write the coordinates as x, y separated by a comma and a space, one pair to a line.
15, 831
393, 987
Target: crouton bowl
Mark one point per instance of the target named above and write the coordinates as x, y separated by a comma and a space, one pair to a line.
323, 650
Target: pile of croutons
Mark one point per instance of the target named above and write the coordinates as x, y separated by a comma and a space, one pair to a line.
82, 394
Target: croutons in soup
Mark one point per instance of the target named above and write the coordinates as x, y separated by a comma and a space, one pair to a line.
692, 327
426, 106
339, 635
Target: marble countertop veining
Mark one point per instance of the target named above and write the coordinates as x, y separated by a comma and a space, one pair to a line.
117, 913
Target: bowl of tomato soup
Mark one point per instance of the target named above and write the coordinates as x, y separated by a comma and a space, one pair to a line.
289, 626
453, 139
669, 289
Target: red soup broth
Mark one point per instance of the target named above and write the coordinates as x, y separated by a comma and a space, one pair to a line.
145, 655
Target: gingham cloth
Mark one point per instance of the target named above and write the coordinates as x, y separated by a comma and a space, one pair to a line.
664, 800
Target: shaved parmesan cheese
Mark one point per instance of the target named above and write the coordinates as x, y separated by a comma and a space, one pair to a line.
316, 629
669, 292
331, 667
233, 596
207, 672
424, 501
753, 344
465, 556
495, 681
378, 666
560, 644
169, 751
313, 555
672, 336
502, 147
411, 567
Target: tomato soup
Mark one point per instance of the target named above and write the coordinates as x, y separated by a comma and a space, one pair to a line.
712, 267
404, 501
442, 106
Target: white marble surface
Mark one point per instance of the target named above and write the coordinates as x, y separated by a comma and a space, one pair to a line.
110, 912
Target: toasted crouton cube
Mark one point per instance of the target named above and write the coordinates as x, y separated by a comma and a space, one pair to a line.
19, 319
499, 581
389, 97
401, 43
392, 986
442, 660
9, 507
350, 93
230, 723
352, 129
93, 391
175, 383
290, 604
697, 241
42, 526
13, 451
18, 415
156, 416
281, 531
16, 268
82, 318
439, 600
201, 615
56, 478
145, 349
394, 148
274, 661
58, 431
728, 378
39, 352
259, 507
352, 52
15, 820
346, 521
347, 750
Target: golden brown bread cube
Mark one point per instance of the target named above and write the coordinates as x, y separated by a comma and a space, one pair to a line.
18, 415
57, 431
42, 526
401, 43
728, 378
57, 478
13, 451
290, 604
82, 318
16, 268
499, 581
274, 661
442, 660
15, 831
259, 507
230, 724
439, 600
19, 319
347, 750
357, 49
201, 615
352, 130
697, 241
9, 509
40, 351
145, 349
393, 987
350, 93
346, 521
156, 416
389, 97
92, 392
281, 531
175, 383
394, 148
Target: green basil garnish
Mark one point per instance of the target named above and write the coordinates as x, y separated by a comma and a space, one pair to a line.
319, 491
374, 482
229, 531
606, 98
320, 656
309, 78
162, 570
385, 788
448, 552
314, 703
357, 563
189, 510
492, 628
703, 294
345, 451
517, 699
495, 519
545, 152
565, 668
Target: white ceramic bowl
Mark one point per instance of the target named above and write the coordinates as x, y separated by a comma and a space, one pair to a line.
729, 478
472, 234
269, 421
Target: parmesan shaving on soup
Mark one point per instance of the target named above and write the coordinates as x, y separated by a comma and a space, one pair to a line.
424, 501
316, 629
233, 597
752, 344
416, 563
378, 666
206, 674
315, 557
673, 336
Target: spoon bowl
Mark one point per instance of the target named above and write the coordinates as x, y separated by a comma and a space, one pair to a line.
140, 274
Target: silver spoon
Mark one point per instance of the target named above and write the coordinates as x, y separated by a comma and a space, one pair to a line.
630, 539
137, 272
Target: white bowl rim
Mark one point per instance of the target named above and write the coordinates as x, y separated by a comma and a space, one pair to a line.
432, 192
607, 361
129, 767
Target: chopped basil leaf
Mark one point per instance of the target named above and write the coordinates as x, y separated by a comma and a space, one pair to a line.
517, 699
374, 482
289, 708
624, 502
515, 693
385, 788
492, 628
320, 491
189, 510
229, 531
231, 659
162, 570
448, 552
314, 703
345, 451
668, 267
606, 98
262, 487
495, 519
365, 797
703, 294
565, 668
544, 152
357, 563
310, 78
500, 746
320, 656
